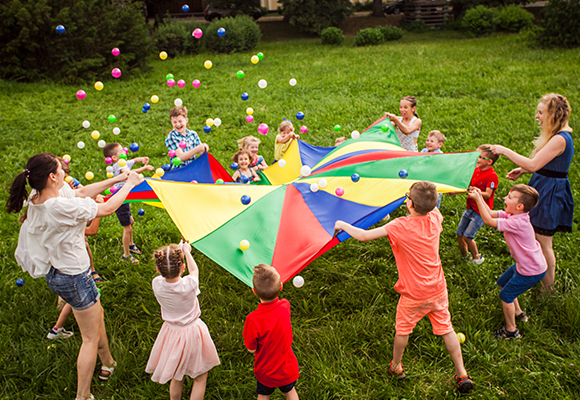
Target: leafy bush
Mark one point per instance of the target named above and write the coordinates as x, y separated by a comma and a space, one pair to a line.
560, 25
366, 6
391, 33
480, 20
175, 37
513, 18
242, 34
414, 26
33, 49
369, 37
315, 15
332, 35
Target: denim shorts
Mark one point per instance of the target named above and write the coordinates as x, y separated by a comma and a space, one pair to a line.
124, 214
267, 391
513, 283
79, 290
469, 224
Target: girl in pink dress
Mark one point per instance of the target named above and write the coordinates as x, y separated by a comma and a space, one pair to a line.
183, 345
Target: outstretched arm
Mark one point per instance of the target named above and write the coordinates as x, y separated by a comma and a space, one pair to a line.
191, 264
555, 146
95, 188
186, 155
360, 234
487, 215
115, 201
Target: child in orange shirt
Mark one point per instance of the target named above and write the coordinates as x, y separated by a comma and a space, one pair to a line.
421, 281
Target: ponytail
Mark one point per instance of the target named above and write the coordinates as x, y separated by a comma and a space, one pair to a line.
18, 193
413, 101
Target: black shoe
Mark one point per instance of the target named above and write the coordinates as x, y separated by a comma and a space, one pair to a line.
503, 333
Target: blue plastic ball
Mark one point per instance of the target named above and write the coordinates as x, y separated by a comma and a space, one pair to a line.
221, 32
19, 282
403, 174
245, 96
234, 166
134, 147
244, 178
207, 129
60, 29
185, 8
144, 110
146, 106
141, 211
355, 177
300, 115
246, 199
166, 167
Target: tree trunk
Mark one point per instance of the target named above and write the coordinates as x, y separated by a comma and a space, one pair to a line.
378, 8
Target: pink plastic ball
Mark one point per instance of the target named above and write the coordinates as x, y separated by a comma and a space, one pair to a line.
197, 33
108, 160
193, 181
263, 129
171, 82
182, 145
339, 191
303, 129
66, 161
125, 150
115, 51
196, 83
81, 94
181, 83
249, 118
113, 189
116, 72
171, 153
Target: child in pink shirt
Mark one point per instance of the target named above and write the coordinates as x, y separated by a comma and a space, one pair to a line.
421, 280
530, 266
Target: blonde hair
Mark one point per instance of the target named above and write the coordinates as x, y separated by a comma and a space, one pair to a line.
556, 120
438, 135
169, 261
244, 142
286, 124
266, 282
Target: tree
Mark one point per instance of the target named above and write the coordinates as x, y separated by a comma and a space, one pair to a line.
378, 8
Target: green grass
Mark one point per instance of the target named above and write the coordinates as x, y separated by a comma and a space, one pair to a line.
475, 91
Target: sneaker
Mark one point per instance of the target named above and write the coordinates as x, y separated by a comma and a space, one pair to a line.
503, 333
399, 374
479, 260
522, 317
464, 383
59, 334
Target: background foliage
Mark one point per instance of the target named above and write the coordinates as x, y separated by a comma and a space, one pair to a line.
560, 24
314, 15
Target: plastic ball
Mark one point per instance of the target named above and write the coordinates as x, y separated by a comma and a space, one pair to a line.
109, 168
178, 102
169, 76
300, 115
305, 170
219, 181
60, 29
141, 212
292, 82
322, 182
246, 199
384, 128
244, 245
298, 281
99, 85
403, 174
81, 94
147, 106
244, 178
240, 74
254, 59
461, 337
145, 111
66, 162
154, 99
355, 177
116, 72
234, 166
221, 32
249, 110
114, 189
245, 96
108, 160
209, 121
339, 191
81, 145
95, 134
171, 153
249, 119
282, 163
102, 143
86, 124
123, 156
89, 175
134, 147
262, 83
355, 134
122, 163
207, 64
263, 129
115, 51
207, 129
163, 55
196, 83
66, 157
194, 181
181, 83
159, 172
20, 281
217, 122
337, 128
303, 129
185, 8
182, 145
197, 33
116, 130
107, 192
176, 161
171, 82
111, 118
126, 151
110, 175
260, 56
314, 187
166, 167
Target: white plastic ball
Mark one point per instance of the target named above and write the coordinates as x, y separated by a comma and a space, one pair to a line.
355, 134
262, 83
116, 131
298, 281
178, 102
81, 145
102, 143
109, 169
86, 124
292, 82
217, 122
322, 183
314, 187
282, 163
305, 170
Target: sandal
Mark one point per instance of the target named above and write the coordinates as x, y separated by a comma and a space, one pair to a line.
503, 333
134, 249
108, 372
98, 278
464, 383
522, 317
131, 258
399, 374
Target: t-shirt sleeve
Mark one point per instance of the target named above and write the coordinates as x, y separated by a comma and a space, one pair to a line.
67, 192
130, 163
505, 224
492, 182
70, 212
169, 142
392, 229
250, 334
193, 283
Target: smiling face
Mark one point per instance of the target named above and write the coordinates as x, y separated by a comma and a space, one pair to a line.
179, 123
484, 161
253, 148
406, 109
243, 161
541, 114
432, 143
512, 203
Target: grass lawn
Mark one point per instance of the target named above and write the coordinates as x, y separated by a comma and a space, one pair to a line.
474, 90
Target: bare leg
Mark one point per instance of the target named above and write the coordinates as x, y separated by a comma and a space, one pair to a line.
547, 249
454, 350
399, 345
472, 247
517, 308
175, 389
509, 312
462, 245
127, 239
131, 231
292, 395
63, 316
263, 397
198, 389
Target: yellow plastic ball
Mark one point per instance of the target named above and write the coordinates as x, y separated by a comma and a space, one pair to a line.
99, 85
110, 175
209, 121
254, 59
66, 157
68, 179
154, 99
89, 175
163, 55
141, 176
159, 172
95, 135
461, 337
244, 245
122, 162
249, 110
208, 64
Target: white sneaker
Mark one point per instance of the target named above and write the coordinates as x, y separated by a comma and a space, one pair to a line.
59, 334
479, 260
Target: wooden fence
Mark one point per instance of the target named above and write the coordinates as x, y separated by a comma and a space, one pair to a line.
431, 12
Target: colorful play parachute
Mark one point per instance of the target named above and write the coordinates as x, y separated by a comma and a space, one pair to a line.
290, 225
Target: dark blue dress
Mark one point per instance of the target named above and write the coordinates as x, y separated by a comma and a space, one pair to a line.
555, 208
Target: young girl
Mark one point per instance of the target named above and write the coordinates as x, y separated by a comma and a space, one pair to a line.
408, 124
251, 144
284, 139
183, 345
244, 174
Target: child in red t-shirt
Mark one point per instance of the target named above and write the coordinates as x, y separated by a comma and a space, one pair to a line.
421, 280
268, 335
485, 179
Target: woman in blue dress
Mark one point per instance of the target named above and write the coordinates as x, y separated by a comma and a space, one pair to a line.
549, 163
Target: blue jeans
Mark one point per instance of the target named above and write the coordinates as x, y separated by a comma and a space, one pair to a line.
469, 224
79, 290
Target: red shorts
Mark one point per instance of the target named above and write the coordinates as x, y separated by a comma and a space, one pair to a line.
410, 311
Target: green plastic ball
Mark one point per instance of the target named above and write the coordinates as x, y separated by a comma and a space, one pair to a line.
240, 74
112, 118
260, 55
168, 77
123, 156
176, 161
384, 128
337, 127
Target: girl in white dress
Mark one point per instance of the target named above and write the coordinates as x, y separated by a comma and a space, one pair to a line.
408, 125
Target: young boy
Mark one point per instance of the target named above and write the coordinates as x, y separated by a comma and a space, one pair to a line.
268, 335
434, 142
421, 281
180, 133
485, 179
114, 151
530, 267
